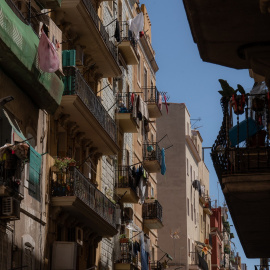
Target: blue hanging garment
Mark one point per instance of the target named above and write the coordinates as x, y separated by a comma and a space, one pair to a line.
163, 165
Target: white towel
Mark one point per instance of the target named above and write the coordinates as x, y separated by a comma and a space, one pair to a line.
136, 25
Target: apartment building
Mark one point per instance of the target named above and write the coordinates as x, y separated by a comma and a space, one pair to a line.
78, 162
184, 193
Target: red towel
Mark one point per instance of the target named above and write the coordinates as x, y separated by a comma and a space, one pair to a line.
165, 99
47, 55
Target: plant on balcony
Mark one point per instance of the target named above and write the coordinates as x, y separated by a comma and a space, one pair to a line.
123, 238
238, 102
61, 164
226, 250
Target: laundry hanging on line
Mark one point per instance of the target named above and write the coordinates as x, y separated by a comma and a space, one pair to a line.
136, 25
47, 55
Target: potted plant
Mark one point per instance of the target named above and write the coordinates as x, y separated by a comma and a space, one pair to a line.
123, 238
238, 102
61, 164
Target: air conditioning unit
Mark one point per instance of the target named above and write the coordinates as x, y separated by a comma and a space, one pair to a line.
79, 55
79, 235
10, 208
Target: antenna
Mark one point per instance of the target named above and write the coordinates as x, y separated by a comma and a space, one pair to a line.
195, 121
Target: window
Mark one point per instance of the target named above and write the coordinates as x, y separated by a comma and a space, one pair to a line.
145, 84
194, 214
139, 69
188, 206
187, 128
188, 247
191, 210
191, 173
152, 192
187, 167
194, 175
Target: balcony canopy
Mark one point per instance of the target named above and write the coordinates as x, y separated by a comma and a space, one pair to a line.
222, 29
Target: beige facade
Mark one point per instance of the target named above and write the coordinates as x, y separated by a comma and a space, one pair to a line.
186, 223
77, 203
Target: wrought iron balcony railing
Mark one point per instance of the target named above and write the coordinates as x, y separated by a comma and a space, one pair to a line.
75, 84
77, 185
151, 95
125, 178
151, 152
243, 148
155, 265
152, 210
124, 102
127, 35
11, 175
126, 256
101, 28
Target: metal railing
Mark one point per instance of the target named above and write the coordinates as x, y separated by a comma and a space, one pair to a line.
125, 178
127, 35
101, 28
151, 152
11, 175
155, 265
151, 94
75, 84
126, 256
245, 147
124, 102
15, 9
76, 184
152, 210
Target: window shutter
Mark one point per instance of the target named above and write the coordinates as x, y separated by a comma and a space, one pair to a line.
34, 173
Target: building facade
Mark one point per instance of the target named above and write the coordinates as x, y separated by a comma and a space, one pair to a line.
79, 155
184, 193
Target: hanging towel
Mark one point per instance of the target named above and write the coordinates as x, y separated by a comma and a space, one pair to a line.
47, 55
160, 101
117, 33
132, 98
165, 98
163, 165
136, 25
135, 109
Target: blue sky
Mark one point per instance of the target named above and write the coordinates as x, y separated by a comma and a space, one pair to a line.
188, 79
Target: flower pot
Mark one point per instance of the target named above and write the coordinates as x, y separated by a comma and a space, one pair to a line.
123, 240
238, 103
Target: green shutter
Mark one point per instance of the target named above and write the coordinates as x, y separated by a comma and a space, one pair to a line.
34, 173
69, 58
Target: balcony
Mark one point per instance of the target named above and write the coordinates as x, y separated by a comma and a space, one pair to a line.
128, 45
241, 158
152, 99
228, 42
92, 35
18, 59
83, 201
151, 157
156, 265
207, 207
126, 185
152, 215
12, 158
82, 106
127, 261
123, 115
